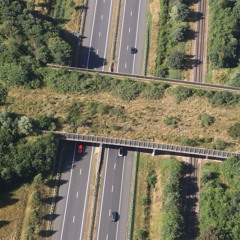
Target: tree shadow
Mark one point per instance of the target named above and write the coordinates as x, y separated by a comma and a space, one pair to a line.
89, 58
190, 189
49, 200
7, 199
189, 35
190, 62
190, 2
195, 16
51, 183
81, 8
4, 223
50, 217
46, 233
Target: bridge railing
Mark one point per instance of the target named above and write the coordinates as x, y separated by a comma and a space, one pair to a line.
169, 148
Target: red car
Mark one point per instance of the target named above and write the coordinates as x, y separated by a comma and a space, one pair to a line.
80, 148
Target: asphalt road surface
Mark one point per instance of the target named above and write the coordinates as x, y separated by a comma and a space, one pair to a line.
115, 196
73, 192
132, 35
96, 33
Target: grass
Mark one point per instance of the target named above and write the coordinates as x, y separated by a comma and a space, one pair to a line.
13, 205
144, 119
154, 9
147, 216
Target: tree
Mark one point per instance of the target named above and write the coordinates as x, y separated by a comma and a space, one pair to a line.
176, 60
25, 126
210, 233
3, 94
178, 33
60, 50
180, 12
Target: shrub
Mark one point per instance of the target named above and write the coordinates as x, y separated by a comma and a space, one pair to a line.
155, 91
182, 93
171, 121
220, 144
176, 60
234, 130
206, 120
128, 90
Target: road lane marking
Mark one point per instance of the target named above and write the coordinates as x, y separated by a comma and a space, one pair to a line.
129, 30
125, 65
68, 191
77, 195
114, 165
73, 219
105, 51
134, 58
99, 34
127, 47
119, 207
109, 212
80, 171
119, 53
131, 13
90, 45
104, 1
97, 51
104, 181
112, 188
102, 17
107, 237
86, 194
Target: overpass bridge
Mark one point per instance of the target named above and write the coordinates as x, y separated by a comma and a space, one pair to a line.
155, 148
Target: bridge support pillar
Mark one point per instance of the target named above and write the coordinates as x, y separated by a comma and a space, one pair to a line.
153, 152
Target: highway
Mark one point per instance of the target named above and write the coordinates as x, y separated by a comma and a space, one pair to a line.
200, 48
73, 192
132, 35
96, 35
115, 196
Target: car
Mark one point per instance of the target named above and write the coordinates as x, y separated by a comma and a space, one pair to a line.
121, 152
114, 216
133, 50
80, 148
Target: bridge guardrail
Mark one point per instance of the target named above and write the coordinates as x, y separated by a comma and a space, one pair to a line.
170, 148
170, 80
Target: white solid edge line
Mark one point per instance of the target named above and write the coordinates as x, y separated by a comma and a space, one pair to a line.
99, 222
139, 7
119, 207
121, 35
105, 51
68, 191
90, 45
86, 194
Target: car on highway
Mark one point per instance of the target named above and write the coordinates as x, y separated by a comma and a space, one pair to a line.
121, 152
80, 148
133, 50
114, 216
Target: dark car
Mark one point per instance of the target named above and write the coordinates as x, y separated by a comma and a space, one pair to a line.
114, 216
133, 50
80, 148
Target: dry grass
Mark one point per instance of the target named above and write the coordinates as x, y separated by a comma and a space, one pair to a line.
154, 8
144, 118
91, 192
13, 207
